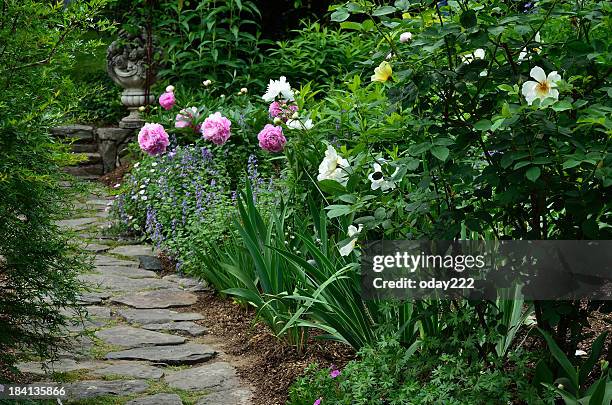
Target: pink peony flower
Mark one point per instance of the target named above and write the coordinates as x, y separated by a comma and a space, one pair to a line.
216, 128
282, 110
275, 109
271, 138
167, 100
334, 373
318, 401
186, 117
153, 139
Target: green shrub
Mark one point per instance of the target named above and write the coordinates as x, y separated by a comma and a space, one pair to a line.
421, 374
38, 264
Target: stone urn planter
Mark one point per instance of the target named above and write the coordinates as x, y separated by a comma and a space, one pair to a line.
126, 63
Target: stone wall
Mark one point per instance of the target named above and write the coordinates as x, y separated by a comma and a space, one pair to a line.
102, 147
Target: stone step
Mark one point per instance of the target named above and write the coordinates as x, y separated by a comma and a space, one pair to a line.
84, 148
80, 132
84, 171
91, 158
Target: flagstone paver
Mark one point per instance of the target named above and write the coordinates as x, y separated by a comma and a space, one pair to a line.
125, 271
188, 353
157, 399
97, 388
147, 316
132, 369
127, 336
133, 250
125, 284
157, 299
187, 327
121, 360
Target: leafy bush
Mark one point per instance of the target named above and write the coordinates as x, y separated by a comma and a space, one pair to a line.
200, 39
319, 54
420, 374
38, 264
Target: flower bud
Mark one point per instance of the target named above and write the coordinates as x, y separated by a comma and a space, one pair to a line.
405, 37
560, 386
141, 108
170, 89
244, 90
277, 121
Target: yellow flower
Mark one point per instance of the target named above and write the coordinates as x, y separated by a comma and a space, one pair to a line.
382, 73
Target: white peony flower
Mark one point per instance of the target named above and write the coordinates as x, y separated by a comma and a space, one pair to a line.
405, 37
378, 179
278, 88
297, 124
477, 54
543, 87
244, 90
169, 89
350, 246
333, 167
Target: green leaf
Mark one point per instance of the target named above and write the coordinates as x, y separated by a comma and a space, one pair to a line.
562, 105
568, 164
468, 19
340, 15
351, 25
384, 10
590, 362
533, 173
441, 152
562, 359
331, 186
482, 125
334, 211
419, 149
506, 87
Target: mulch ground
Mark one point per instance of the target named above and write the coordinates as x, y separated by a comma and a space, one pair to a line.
270, 365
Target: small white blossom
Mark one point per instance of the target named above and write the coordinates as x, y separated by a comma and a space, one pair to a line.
580, 353
405, 37
169, 89
244, 90
333, 167
207, 83
477, 54
543, 87
350, 246
298, 124
378, 179
523, 54
117, 185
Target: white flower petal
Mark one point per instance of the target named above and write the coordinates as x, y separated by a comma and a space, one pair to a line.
537, 37
553, 77
479, 53
348, 248
554, 93
580, 353
528, 88
538, 74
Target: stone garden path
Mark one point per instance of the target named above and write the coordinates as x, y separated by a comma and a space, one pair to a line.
134, 347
